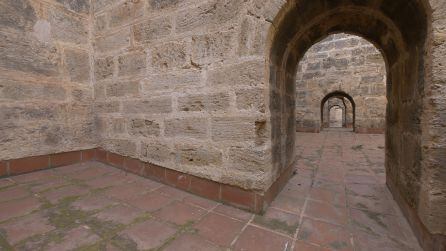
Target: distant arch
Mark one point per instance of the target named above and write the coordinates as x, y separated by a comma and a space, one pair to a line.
341, 95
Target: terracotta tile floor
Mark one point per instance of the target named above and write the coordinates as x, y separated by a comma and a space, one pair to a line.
336, 201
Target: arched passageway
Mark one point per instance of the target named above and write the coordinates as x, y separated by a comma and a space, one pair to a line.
336, 116
342, 100
400, 30
342, 63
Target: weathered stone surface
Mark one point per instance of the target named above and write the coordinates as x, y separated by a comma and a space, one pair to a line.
232, 129
100, 23
244, 74
123, 89
214, 13
104, 68
248, 160
78, 65
152, 29
68, 28
144, 127
250, 99
126, 12
99, 5
106, 107
121, 146
111, 42
35, 57
169, 82
17, 90
186, 127
212, 48
169, 55
163, 4
17, 15
197, 155
203, 102
132, 64
156, 151
149, 106
79, 6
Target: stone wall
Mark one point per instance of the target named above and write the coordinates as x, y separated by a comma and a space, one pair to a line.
208, 87
181, 84
346, 63
45, 87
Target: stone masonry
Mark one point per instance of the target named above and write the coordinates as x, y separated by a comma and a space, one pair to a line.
208, 87
46, 92
344, 63
179, 85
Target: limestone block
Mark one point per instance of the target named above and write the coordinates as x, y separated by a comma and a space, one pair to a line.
82, 94
17, 15
233, 129
143, 127
211, 14
112, 42
248, 73
253, 32
106, 107
77, 63
186, 127
158, 105
251, 99
169, 55
155, 151
78, 6
152, 29
204, 102
104, 68
197, 155
157, 5
99, 5
248, 160
116, 126
123, 89
126, 12
35, 57
132, 64
171, 81
18, 90
44, 111
68, 28
212, 48
120, 146
100, 23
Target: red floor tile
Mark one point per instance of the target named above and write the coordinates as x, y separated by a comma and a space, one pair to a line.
257, 239
325, 234
219, 229
180, 213
120, 214
150, 234
26, 227
150, 202
326, 212
191, 242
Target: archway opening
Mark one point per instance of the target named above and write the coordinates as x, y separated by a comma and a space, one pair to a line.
399, 29
348, 110
336, 115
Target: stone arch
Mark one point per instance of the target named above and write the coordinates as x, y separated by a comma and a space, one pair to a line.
335, 108
401, 29
338, 94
